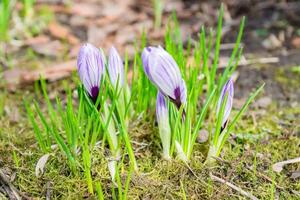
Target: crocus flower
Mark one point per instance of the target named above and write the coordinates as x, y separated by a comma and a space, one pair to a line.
162, 116
229, 91
163, 72
115, 67
91, 68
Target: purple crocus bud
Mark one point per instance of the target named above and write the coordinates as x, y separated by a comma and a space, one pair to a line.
163, 71
91, 68
229, 91
115, 67
162, 116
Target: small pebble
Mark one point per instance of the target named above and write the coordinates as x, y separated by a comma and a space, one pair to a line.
202, 136
264, 102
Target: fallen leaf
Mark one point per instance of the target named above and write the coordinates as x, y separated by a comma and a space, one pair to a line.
110, 28
51, 48
61, 32
58, 30
18, 77
277, 167
125, 35
12, 78
40, 166
77, 20
146, 25
37, 40
95, 35
105, 20
174, 5
296, 42
53, 73
86, 9
74, 51
110, 8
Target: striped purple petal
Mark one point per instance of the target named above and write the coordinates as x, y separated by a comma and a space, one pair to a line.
145, 55
161, 108
91, 68
163, 71
227, 89
162, 116
115, 67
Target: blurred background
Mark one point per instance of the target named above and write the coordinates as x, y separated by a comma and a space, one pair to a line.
43, 36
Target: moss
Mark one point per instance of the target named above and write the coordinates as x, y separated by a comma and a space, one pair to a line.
288, 77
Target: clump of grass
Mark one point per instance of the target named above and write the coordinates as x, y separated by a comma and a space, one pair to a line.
107, 104
160, 179
201, 79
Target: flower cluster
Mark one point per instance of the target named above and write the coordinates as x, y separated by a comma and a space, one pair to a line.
91, 69
164, 73
91, 64
190, 97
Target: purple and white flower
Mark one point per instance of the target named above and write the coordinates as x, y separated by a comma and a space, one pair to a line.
115, 67
164, 73
162, 116
91, 68
228, 91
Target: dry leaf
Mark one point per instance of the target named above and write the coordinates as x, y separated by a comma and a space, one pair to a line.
51, 48
62, 32
37, 40
53, 73
86, 9
58, 30
96, 35
74, 51
40, 166
277, 167
125, 35
105, 20
77, 20
17, 77
110, 8
296, 42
